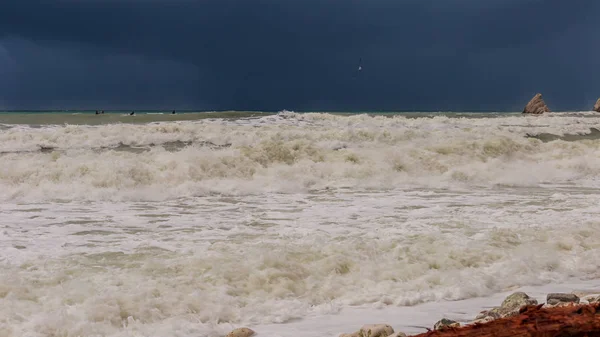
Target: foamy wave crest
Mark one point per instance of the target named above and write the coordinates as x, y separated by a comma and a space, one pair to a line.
201, 277
292, 152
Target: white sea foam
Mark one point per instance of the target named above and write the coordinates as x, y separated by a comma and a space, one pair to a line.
376, 212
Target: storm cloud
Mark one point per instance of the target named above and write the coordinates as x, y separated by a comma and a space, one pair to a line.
298, 55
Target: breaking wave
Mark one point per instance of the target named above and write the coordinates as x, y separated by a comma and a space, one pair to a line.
292, 152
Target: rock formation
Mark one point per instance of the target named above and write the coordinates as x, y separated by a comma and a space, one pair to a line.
536, 106
597, 105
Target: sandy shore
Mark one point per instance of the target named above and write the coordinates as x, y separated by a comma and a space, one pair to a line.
409, 320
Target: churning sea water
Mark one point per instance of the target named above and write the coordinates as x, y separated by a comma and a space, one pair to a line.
297, 223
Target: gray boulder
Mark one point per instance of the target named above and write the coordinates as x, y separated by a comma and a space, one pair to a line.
446, 323
557, 298
509, 307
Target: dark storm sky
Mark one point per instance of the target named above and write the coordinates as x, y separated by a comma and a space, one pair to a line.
299, 54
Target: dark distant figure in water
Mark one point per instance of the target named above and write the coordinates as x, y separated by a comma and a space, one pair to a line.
172, 113
132, 113
97, 112
102, 113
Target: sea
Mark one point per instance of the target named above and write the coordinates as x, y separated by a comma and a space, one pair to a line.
291, 224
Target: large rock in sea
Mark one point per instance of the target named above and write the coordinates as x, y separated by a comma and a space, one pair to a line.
597, 105
536, 106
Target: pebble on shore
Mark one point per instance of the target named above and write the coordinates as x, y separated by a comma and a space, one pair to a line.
241, 332
372, 330
558, 298
509, 307
445, 323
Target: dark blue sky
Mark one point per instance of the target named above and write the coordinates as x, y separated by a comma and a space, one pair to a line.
299, 54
